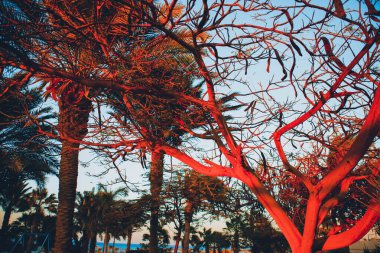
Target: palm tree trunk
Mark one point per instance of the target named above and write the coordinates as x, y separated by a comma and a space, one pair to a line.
6, 218
155, 177
85, 241
33, 230
93, 243
68, 174
106, 240
177, 240
188, 218
73, 119
236, 246
129, 235
207, 248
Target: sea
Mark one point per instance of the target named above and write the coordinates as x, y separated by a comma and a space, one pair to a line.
121, 246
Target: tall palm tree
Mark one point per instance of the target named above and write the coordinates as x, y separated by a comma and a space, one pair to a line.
157, 120
79, 41
54, 50
74, 98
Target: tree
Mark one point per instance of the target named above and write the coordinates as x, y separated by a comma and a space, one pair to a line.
197, 190
206, 236
73, 100
163, 239
332, 88
158, 121
219, 241
86, 218
25, 154
336, 91
74, 111
239, 205
188, 193
260, 235
11, 200
107, 199
37, 202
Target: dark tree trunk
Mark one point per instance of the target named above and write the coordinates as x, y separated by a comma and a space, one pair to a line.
207, 248
106, 241
155, 177
84, 241
33, 230
6, 218
177, 240
235, 244
67, 187
188, 219
129, 235
73, 119
93, 243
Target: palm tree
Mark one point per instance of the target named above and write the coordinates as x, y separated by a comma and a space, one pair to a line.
198, 191
38, 201
52, 35
73, 118
86, 207
220, 241
24, 153
99, 212
10, 198
206, 236
107, 202
157, 120
131, 215
74, 108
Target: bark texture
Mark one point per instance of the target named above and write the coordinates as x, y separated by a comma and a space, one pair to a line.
155, 177
188, 219
129, 235
93, 243
176, 245
73, 119
85, 241
106, 242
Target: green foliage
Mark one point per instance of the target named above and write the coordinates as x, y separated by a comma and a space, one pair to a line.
163, 239
104, 211
24, 152
202, 190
